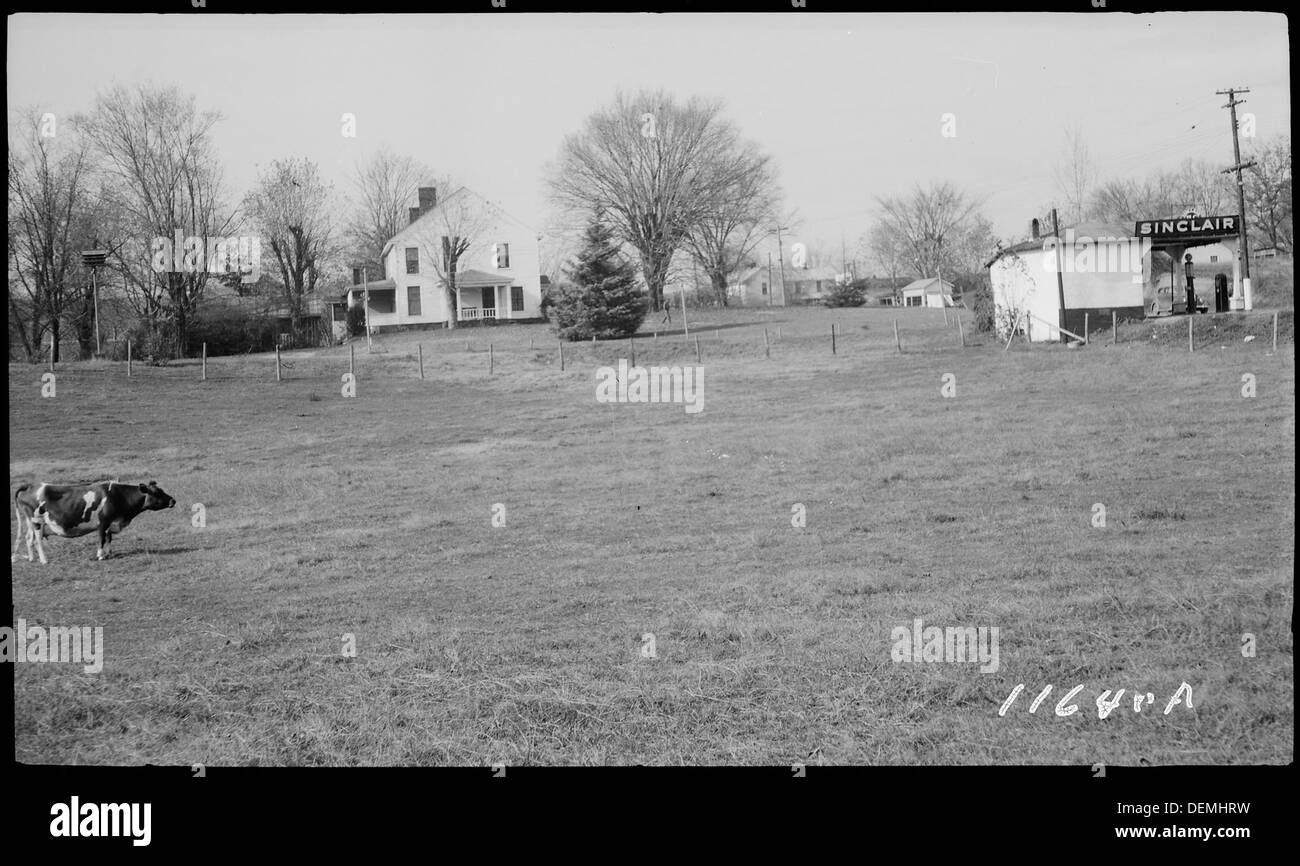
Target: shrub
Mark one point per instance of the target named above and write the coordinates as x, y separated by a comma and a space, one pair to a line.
231, 331
984, 308
356, 320
846, 295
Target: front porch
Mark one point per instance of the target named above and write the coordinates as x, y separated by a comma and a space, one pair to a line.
483, 296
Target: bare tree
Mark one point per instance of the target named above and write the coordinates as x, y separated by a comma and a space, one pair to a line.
726, 232
1203, 187
163, 178
292, 208
48, 194
458, 230
1074, 176
1268, 192
1127, 200
381, 192
935, 228
646, 162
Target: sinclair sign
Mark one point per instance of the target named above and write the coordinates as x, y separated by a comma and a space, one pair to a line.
1195, 228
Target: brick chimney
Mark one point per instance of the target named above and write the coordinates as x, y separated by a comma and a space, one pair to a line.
428, 198
1034, 229
414, 214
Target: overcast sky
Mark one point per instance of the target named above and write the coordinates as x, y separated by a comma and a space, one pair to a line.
850, 106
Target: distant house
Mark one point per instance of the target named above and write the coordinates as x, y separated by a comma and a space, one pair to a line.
756, 286
881, 296
751, 286
497, 278
928, 292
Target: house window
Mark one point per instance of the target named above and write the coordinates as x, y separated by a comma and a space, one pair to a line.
516, 299
913, 301
356, 276
501, 256
1214, 258
765, 288
413, 300
383, 302
412, 260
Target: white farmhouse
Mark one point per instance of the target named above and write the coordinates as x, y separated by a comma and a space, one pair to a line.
497, 276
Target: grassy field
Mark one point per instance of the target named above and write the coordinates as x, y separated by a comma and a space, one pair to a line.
522, 643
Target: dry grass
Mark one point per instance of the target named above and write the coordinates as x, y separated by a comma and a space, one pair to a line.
372, 517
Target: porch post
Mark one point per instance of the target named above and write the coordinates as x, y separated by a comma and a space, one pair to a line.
455, 314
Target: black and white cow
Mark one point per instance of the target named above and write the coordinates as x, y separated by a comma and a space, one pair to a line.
71, 511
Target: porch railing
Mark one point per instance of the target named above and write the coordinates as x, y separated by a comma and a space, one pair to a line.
476, 313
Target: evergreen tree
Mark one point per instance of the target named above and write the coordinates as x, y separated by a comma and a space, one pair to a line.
600, 297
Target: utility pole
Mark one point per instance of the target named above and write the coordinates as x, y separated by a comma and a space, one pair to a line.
770, 285
844, 254
365, 280
780, 259
1060, 279
1243, 250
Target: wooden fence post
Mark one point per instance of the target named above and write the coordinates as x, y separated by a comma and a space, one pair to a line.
491, 359
419, 353
277, 362
561, 342
897, 344
1189, 333
832, 338
767, 349
205, 362
128, 357
697, 349
1275, 330
1114, 328
1085, 329
352, 359
631, 342
961, 334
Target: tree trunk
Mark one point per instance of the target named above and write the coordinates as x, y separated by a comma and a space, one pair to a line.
182, 331
21, 327
54, 338
719, 281
452, 312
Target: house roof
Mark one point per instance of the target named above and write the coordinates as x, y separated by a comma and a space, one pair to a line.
374, 286
927, 284
1084, 230
471, 278
804, 275
458, 192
